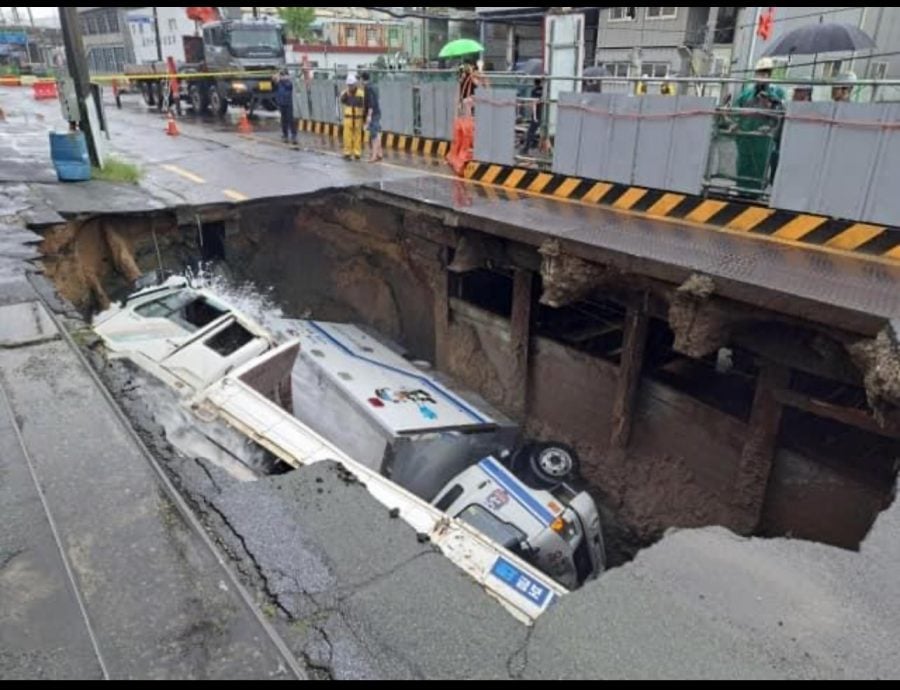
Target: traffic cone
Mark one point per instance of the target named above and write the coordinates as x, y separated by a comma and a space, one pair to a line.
244, 125
172, 126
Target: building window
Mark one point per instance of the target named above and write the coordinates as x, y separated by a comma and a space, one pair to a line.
878, 70
832, 68
173, 25
657, 70
350, 36
662, 12
372, 37
394, 37
113, 21
619, 69
622, 14
102, 27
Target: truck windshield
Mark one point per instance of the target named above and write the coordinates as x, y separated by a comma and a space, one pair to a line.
256, 39
501, 533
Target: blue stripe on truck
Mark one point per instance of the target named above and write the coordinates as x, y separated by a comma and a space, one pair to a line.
517, 490
421, 379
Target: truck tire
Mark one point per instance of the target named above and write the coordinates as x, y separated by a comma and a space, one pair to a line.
547, 465
218, 101
147, 93
199, 96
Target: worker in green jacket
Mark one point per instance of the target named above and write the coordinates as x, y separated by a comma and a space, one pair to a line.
758, 135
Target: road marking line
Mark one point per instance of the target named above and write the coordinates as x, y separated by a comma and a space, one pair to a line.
181, 172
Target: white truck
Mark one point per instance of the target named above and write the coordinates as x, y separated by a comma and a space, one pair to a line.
448, 448
525, 546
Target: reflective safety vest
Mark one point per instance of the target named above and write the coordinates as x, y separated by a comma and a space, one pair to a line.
354, 102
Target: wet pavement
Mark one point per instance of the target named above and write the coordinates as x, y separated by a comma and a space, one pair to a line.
354, 593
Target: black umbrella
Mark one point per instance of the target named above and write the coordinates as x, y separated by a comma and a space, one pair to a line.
821, 38
533, 68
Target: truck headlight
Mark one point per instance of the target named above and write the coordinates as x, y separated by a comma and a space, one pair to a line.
238, 86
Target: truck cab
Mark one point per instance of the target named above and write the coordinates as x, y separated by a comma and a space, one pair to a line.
231, 46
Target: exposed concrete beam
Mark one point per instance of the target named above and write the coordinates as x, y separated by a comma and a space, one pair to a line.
520, 331
630, 370
760, 447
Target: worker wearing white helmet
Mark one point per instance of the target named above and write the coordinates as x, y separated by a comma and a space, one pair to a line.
759, 134
353, 100
843, 87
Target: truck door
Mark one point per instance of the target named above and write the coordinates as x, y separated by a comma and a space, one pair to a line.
564, 57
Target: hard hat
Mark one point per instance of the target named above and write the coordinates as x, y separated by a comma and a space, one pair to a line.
351, 79
765, 64
846, 78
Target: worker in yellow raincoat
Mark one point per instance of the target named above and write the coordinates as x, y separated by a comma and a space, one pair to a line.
353, 102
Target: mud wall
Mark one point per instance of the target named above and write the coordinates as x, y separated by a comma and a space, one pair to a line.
94, 260
343, 260
683, 459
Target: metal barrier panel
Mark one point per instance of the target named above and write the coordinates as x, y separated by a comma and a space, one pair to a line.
324, 101
568, 146
623, 139
839, 160
656, 137
302, 108
495, 127
690, 150
397, 107
883, 205
438, 110
596, 136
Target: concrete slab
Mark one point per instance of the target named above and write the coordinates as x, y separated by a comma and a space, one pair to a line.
22, 324
42, 632
157, 598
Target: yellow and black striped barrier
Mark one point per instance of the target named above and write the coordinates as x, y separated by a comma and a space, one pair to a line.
396, 142
733, 216
880, 241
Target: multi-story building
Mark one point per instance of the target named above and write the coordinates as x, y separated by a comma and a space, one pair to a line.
880, 23
174, 25
107, 39
660, 42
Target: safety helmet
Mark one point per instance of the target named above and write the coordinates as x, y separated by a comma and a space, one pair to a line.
846, 78
765, 64
352, 80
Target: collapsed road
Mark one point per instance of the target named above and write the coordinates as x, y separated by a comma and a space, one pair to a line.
751, 607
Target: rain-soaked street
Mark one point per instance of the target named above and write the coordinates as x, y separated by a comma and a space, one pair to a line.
147, 538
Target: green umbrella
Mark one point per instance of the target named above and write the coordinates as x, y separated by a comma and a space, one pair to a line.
460, 47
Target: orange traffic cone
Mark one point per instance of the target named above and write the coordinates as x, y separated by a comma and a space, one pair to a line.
172, 126
244, 125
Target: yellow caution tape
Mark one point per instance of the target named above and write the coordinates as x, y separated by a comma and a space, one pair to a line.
179, 76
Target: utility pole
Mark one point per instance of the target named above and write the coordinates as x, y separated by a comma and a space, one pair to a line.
31, 17
159, 53
78, 71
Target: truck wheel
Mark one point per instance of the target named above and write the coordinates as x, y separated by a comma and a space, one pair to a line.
199, 98
550, 464
218, 102
147, 93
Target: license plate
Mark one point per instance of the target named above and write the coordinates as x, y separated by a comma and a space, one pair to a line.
265, 86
